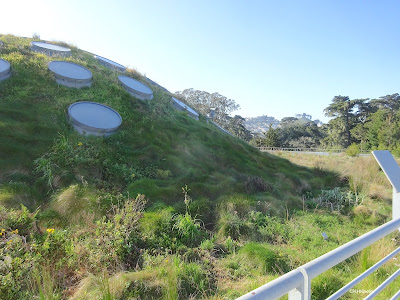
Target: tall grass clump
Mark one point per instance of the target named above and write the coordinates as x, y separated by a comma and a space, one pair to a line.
263, 258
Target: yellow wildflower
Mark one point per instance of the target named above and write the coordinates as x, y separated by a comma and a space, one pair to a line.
80, 144
3, 229
15, 231
50, 230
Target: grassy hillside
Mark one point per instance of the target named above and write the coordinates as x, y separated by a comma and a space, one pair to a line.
156, 152
169, 207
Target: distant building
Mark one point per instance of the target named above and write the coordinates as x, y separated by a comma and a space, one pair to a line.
303, 116
318, 122
259, 125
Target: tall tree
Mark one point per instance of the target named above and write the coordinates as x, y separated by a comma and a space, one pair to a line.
341, 109
299, 133
204, 101
271, 138
237, 128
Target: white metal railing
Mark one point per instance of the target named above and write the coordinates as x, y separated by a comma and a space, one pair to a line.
297, 283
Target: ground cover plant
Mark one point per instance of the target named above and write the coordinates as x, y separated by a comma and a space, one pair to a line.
169, 207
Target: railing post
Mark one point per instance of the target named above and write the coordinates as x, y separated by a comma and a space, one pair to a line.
302, 292
396, 204
296, 294
392, 171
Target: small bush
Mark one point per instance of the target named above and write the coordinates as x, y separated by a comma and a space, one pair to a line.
156, 228
353, 150
188, 230
255, 184
207, 245
194, 281
110, 243
238, 204
272, 230
163, 174
337, 200
230, 225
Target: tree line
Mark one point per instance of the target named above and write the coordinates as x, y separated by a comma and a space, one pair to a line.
368, 124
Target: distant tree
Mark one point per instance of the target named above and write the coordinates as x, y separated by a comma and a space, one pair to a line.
271, 138
257, 141
372, 124
304, 116
362, 116
288, 121
237, 128
383, 130
341, 109
298, 133
364, 109
205, 101
388, 102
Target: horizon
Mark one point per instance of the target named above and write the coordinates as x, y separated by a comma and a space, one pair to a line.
275, 59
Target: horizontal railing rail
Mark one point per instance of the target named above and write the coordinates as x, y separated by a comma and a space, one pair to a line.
364, 275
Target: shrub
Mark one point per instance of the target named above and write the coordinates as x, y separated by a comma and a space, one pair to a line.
188, 230
238, 204
22, 219
230, 225
353, 150
207, 245
337, 200
255, 184
16, 262
203, 209
194, 281
156, 229
110, 244
272, 230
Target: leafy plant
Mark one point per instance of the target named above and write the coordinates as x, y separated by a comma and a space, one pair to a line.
188, 229
336, 199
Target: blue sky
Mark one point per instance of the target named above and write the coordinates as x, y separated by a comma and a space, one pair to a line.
275, 58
